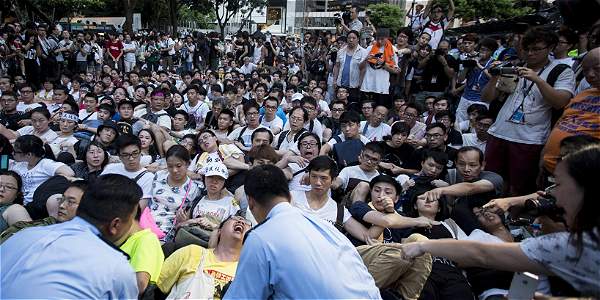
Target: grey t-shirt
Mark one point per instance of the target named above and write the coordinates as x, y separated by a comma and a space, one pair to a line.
558, 254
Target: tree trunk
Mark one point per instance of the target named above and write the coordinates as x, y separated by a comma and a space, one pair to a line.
173, 16
128, 5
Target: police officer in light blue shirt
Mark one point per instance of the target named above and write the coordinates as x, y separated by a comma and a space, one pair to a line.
294, 255
76, 259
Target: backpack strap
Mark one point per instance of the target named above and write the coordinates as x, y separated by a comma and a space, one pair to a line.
339, 218
300, 132
555, 72
337, 138
311, 126
139, 176
452, 226
364, 131
282, 137
239, 138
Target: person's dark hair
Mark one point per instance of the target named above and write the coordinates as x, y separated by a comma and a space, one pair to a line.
471, 37
263, 183
413, 106
568, 34
485, 116
323, 163
480, 108
583, 165
353, 32
350, 117
153, 150
304, 112
471, 148
80, 184
309, 100
400, 128
539, 35
436, 125
307, 134
9, 94
374, 147
441, 215
91, 95
489, 43
102, 204
576, 142
263, 130
107, 107
17, 177
445, 113
408, 32
179, 152
183, 113
74, 106
386, 179
263, 152
250, 104
125, 140
30, 144
6, 147
216, 88
97, 144
437, 156
42, 111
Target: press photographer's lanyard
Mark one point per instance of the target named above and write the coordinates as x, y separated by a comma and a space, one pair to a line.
518, 115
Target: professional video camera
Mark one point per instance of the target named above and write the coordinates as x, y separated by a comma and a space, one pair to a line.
343, 16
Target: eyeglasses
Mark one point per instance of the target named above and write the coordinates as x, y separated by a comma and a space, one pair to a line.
308, 108
252, 114
269, 107
409, 116
298, 119
338, 110
307, 144
237, 219
371, 159
433, 136
131, 155
8, 187
26, 91
484, 125
534, 49
70, 202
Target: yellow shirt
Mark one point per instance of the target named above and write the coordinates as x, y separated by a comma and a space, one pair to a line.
184, 262
145, 252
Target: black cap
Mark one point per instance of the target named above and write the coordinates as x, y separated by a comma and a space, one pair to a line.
109, 124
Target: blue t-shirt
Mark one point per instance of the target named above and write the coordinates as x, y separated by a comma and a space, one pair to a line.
345, 81
475, 83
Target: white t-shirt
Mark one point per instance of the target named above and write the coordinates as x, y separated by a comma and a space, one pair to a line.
377, 80
84, 114
164, 119
537, 112
327, 213
295, 183
357, 173
375, 133
24, 107
277, 122
567, 61
33, 178
438, 33
246, 135
47, 137
289, 142
199, 111
129, 56
145, 182
216, 210
470, 139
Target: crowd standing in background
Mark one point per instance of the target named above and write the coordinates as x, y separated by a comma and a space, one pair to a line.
327, 165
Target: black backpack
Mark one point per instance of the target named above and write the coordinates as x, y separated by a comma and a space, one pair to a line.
284, 134
153, 117
345, 153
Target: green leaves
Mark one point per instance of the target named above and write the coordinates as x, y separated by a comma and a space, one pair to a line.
386, 15
486, 9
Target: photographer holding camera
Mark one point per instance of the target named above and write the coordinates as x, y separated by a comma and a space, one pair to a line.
354, 24
523, 123
571, 255
477, 76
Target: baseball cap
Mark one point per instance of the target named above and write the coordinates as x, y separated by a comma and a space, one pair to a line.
216, 169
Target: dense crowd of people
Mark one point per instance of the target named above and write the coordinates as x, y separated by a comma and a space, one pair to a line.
363, 163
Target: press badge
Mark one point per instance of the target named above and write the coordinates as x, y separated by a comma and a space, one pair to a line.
434, 79
518, 116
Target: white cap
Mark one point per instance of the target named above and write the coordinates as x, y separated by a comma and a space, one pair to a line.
297, 96
216, 169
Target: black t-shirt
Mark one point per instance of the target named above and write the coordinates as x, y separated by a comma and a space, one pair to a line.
390, 235
454, 137
434, 77
332, 124
12, 121
398, 156
415, 161
210, 122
